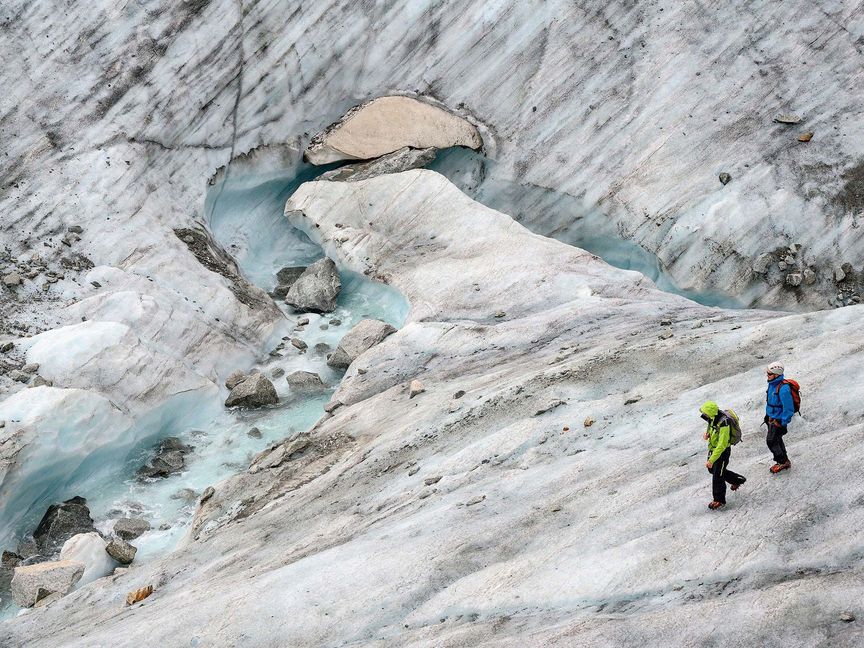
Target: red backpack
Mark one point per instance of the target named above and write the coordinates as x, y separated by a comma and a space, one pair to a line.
795, 390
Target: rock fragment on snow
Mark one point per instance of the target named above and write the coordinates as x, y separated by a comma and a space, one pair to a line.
665, 335
805, 137
19, 376
548, 407
365, 334
794, 279
633, 399
725, 178
809, 276
12, 279
415, 388
762, 263
847, 617
139, 594
588, 422
787, 118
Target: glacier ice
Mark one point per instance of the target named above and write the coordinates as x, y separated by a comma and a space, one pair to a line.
562, 216
77, 442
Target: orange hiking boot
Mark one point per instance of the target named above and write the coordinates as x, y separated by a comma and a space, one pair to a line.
716, 505
776, 468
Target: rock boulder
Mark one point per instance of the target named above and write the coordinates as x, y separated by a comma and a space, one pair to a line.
170, 458
302, 380
130, 528
121, 551
402, 160
234, 378
316, 289
288, 275
59, 576
366, 334
285, 278
387, 124
255, 390
61, 522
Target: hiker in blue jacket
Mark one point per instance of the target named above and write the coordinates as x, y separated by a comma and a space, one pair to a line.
779, 409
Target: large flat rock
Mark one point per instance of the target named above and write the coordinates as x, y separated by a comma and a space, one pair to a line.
387, 124
54, 577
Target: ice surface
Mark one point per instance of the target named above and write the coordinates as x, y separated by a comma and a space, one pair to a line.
564, 217
66, 436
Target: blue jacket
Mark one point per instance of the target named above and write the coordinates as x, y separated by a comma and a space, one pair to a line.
779, 406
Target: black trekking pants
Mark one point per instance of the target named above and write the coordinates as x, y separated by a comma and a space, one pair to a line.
774, 440
721, 474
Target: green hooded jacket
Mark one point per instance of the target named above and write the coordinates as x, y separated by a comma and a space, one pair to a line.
718, 438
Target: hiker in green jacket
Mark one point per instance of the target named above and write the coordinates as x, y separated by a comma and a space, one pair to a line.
719, 440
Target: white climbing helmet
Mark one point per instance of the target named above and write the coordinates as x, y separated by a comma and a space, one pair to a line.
776, 368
